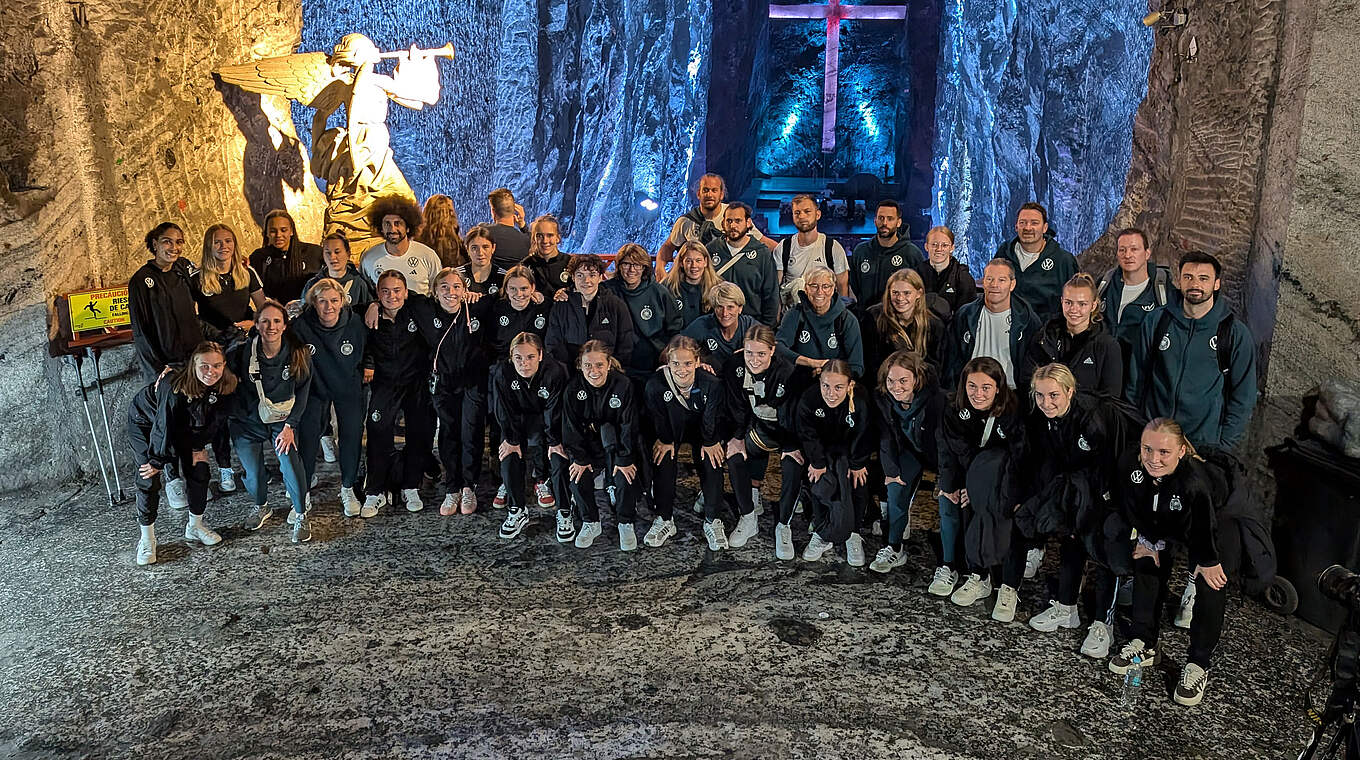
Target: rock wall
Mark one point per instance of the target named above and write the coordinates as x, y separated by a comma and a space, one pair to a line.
112, 124
1035, 102
1248, 152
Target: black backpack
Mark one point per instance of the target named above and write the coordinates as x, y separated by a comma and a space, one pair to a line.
786, 250
1161, 285
708, 231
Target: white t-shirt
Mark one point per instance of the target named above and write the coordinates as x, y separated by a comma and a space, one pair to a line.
993, 339
420, 264
1130, 294
801, 259
1026, 258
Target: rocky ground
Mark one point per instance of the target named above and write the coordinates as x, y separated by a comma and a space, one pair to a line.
415, 635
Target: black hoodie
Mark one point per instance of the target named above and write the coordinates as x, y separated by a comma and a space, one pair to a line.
550, 275
949, 289
165, 325
527, 405
570, 325
656, 319
915, 429
1178, 507
872, 264
843, 430
671, 416
587, 410
764, 403
177, 425
457, 341
337, 353
1094, 355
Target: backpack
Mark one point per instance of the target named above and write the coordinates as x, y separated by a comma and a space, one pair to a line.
707, 230
1161, 284
1222, 337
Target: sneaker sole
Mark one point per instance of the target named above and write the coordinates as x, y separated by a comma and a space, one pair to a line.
1120, 670
515, 532
1188, 701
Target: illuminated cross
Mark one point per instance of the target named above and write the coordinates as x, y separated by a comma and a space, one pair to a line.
834, 13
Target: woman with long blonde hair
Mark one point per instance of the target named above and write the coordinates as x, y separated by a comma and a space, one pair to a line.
901, 321
689, 279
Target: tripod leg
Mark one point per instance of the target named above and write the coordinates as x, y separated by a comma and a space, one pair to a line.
108, 434
94, 437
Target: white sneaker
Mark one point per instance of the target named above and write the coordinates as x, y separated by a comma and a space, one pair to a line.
449, 505
944, 582
566, 527
745, 531
468, 503
349, 502
515, 521
1006, 601
716, 535
783, 542
177, 494
661, 530
854, 551
412, 498
502, 496
301, 527
1097, 641
1033, 558
815, 549
887, 560
587, 535
757, 503
627, 537
195, 530
1056, 616
1186, 612
973, 590
372, 504
226, 480
328, 448
546, 500
1147, 657
146, 551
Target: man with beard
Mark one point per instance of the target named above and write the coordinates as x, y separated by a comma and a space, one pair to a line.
1195, 363
810, 248
703, 223
1042, 266
747, 263
875, 260
398, 218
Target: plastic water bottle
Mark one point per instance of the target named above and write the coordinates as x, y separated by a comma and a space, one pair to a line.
1133, 682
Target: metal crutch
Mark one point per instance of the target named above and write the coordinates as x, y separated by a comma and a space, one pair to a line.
94, 437
108, 434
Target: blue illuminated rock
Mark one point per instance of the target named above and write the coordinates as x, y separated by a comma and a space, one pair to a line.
1036, 102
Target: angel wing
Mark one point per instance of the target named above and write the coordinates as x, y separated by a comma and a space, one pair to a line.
301, 76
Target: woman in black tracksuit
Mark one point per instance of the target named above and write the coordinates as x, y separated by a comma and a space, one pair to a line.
1170, 496
949, 284
174, 418
227, 293
901, 322
528, 405
982, 440
1073, 440
455, 332
685, 404
600, 435
834, 421
910, 406
760, 403
519, 309
397, 369
480, 272
1079, 340
336, 337
589, 312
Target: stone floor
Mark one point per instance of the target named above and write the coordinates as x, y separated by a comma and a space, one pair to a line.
415, 635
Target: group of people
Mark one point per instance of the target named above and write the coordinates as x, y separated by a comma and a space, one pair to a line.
1052, 407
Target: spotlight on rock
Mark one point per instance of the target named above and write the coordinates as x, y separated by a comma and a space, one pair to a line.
646, 202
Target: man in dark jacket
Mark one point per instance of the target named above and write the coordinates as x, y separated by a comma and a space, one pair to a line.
876, 259
1181, 367
1042, 267
753, 271
998, 324
1133, 290
589, 313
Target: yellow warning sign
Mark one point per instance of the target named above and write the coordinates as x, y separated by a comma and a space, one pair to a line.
97, 309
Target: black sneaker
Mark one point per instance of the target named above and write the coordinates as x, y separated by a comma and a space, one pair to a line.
515, 520
1121, 662
1194, 680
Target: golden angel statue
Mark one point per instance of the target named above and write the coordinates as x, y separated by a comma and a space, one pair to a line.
355, 161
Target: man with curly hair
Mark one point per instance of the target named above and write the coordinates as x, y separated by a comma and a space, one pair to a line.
397, 218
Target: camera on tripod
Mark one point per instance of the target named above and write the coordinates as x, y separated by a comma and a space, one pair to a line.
1337, 717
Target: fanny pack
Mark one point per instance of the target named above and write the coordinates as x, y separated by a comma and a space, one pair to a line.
269, 412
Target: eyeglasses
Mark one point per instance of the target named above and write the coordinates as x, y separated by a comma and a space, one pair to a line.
632, 265
820, 286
